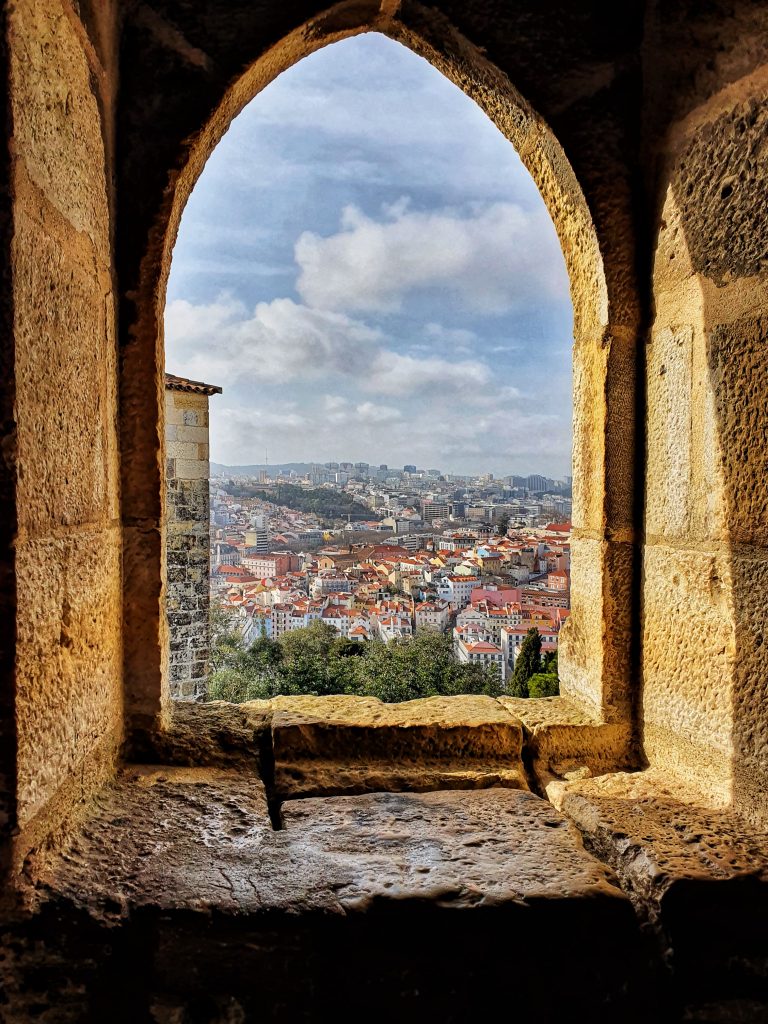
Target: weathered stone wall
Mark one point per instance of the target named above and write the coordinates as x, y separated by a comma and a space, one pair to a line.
187, 542
644, 127
705, 560
60, 449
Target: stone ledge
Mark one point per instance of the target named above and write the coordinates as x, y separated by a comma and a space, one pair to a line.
697, 875
211, 734
344, 745
564, 739
312, 746
165, 837
200, 838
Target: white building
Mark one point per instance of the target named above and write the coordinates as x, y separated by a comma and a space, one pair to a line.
433, 615
480, 652
457, 590
394, 627
330, 582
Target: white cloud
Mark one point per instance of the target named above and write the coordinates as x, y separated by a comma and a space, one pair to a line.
491, 260
455, 337
283, 340
369, 412
395, 374
323, 377
280, 340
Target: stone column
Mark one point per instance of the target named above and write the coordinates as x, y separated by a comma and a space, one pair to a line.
187, 534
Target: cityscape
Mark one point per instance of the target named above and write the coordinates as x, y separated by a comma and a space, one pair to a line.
383, 553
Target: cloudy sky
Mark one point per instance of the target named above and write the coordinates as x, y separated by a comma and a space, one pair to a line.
368, 271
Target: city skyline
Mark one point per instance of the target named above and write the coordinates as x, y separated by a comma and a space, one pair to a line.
375, 465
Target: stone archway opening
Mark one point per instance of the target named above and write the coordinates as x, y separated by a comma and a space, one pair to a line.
595, 649
425, 287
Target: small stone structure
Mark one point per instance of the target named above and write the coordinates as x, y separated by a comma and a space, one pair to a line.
187, 534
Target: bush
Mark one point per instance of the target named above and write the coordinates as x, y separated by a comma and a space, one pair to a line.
317, 661
544, 684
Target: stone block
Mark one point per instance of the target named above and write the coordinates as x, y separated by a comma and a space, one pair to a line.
328, 745
564, 738
669, 443
186, 450
423, 899
65, 416
180, 832
687, 665
198, 435
174, 415
716, 181
739, 381
595, 642
69, 660
192, 469
697, 876
57, 124
749, 590
589, 370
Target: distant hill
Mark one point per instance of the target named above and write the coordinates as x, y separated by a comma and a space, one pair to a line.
302, 468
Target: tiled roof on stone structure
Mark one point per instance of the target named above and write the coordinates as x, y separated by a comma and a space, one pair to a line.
174, 383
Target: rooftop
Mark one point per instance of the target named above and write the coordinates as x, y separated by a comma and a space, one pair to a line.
196, 387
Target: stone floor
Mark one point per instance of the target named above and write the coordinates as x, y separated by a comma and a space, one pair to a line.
316, 861
444, 904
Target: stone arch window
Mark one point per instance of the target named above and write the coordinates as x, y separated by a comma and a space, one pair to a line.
595, 659
366, 266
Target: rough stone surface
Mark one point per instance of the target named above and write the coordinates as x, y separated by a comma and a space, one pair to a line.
698, 876
739, 381
188, 530
214, 734
168, 837
57, 123
562, 737
388, 885
328, 745
717, 177
687, 713
69, 660
60, 441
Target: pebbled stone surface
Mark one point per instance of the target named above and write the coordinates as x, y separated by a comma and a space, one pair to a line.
697, 876
176, 902
564, 739
332, 745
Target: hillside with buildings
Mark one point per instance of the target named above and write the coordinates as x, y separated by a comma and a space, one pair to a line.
482, 568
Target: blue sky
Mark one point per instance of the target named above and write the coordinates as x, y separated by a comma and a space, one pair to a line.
369, 272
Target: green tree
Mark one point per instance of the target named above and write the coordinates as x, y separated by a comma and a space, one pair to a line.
311, 662
227, 643
315, 660
549, 662
528, 663
543, 684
